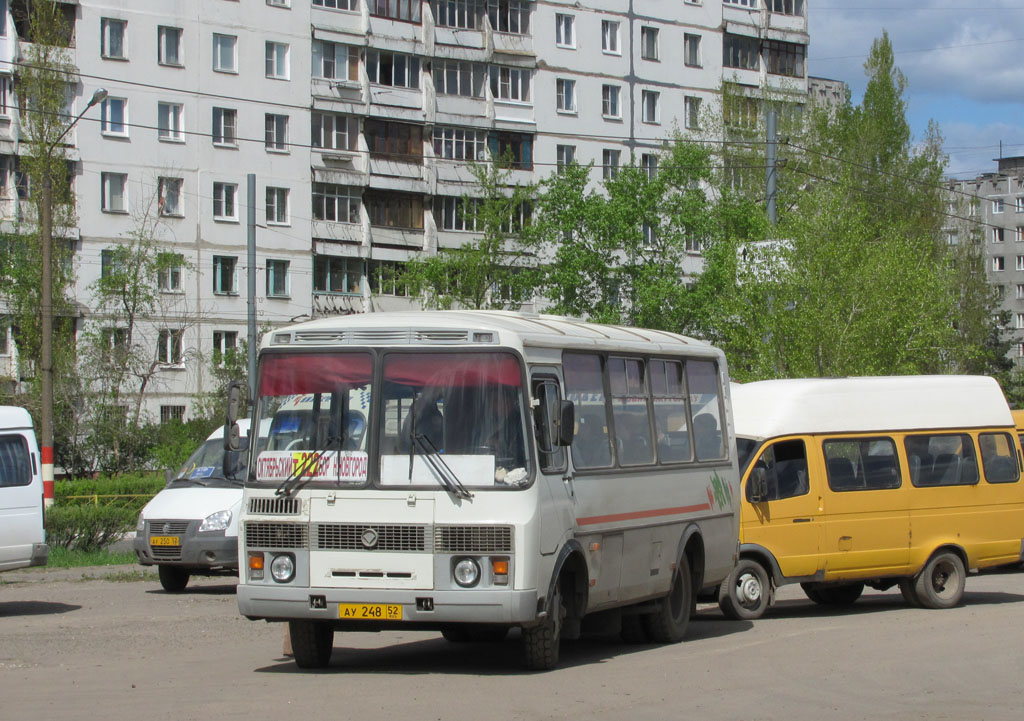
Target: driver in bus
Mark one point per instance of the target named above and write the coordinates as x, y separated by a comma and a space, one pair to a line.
504, 434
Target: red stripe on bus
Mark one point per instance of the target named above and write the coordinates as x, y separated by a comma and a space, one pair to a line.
642, 514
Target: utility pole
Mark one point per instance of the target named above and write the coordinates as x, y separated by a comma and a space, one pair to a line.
251, 276
770, 156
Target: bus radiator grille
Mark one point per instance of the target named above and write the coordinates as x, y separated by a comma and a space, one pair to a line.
275, 506
473, 539
276, 535
384, 537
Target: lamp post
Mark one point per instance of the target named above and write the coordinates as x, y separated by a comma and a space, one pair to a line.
46, 290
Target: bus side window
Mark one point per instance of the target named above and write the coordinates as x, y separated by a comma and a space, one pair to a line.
548, 397
702, 383
584, 386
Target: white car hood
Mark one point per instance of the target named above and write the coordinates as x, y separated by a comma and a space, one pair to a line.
193, 503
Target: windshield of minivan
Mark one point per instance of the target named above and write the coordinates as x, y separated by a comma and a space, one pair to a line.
205, 467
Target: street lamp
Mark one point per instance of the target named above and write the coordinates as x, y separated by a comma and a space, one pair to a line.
46, 289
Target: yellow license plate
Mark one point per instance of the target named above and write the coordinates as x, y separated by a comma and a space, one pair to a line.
165, 540
370, 611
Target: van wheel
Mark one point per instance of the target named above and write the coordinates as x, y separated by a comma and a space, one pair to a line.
909, 594
173, 578
667, 624
838, 594
312, 643
941, 582
541, 642
746, 593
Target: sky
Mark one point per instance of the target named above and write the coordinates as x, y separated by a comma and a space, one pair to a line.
963, 61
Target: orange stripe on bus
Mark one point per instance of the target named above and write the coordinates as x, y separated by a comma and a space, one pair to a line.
633, 515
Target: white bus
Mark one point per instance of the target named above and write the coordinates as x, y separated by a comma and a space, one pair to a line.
22, 538
473, 472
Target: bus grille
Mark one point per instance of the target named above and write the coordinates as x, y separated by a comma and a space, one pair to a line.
385, 537
276, 535
473, 539
275, 506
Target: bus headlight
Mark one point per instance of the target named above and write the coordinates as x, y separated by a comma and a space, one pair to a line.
216, 521
466, 572
282, 568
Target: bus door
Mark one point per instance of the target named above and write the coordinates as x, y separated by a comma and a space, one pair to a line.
786, 514
557, 495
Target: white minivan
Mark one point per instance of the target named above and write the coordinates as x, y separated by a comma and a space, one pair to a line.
191, 527
22, 537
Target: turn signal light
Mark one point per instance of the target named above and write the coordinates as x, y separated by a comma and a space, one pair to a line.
255, 566
499, 571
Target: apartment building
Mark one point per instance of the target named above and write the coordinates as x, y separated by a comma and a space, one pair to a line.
357, 119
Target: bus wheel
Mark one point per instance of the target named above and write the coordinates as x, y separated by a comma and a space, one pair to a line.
312, 643
745, 594
541, 642
838, 594
941, 582
667, 624
909, 594
173, 578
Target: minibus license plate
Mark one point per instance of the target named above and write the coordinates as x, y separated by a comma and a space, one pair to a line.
165, 540
370, 611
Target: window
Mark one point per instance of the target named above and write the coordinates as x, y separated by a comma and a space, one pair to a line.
278, 3
168, 348
395, 69
224, 201
610, 36
277, 60
941, 460
703, 386
462, 14
584, 386
565, 95
168, 273
565, 155
337, 4
6, 99
396, 9
1019, 321
168, 48
691, 109
610, 163
740, 51
394, 210
111, 263
785, 470
861, 464
997, 206
998, 458
15, 461
336, 203
332, 131
546, 422
334, 274
457, 77
455, 213
610, 101
752, 4
671, 412
998, 263
169, 121
385, 277
510, 16
335, 61
516, 149
649, 43
224, 275
460, 143
1019, 207
5, 329
395, 141
510, 83
224, 60
169, 414
786, 7
1020, 262
564, 32
277, 279
112, 38
649, 104
276, 136
1018, 234
169, 192
114, 116
649, 164
277, 206
1020, 291
785, 58
115, 188
224, 342
691, 50
225, 126
630, 411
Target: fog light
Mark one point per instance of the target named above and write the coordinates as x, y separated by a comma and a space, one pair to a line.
282, 568
466, 572
255, 565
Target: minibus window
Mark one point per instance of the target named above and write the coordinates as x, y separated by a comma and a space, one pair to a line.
670, 411
15, 468
630, 411
745, 448
861, 464
702, 382
998, 458
785, 466
941, 460
584, 386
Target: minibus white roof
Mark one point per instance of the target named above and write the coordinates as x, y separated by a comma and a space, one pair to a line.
768, 409
14, 417
447, 328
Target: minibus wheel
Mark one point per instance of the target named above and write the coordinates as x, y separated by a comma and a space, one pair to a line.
941, 582
667, 624
173, 578
312, 643
746, 593
541, 642
909, 594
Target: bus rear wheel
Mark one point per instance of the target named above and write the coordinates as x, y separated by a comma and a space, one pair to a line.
312, 643
941, 582
667, 624
746, 593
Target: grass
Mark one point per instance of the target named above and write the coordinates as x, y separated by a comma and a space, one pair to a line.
65, 558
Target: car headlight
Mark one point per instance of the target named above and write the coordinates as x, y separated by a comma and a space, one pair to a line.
466, 572
140, 527
282, 568
216, 521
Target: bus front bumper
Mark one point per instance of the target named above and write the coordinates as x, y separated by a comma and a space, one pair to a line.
420, 608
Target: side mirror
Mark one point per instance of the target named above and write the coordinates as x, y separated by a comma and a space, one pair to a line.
232, 436
758, 482
566, 423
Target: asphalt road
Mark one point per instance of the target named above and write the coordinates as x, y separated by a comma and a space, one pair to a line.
89, 648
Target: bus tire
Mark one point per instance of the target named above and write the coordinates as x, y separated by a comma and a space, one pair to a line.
173, 578
940, 584
746, 593
541, 642
909, 594
668, 622
312, 643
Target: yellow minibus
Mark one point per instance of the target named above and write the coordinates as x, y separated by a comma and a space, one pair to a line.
846, 483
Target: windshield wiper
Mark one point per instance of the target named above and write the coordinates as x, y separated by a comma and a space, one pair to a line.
445, 475
294, 481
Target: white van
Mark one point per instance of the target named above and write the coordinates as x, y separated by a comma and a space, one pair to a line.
22, 538
191, 527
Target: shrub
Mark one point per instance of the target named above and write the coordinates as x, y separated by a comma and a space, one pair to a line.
142, 486
87, 527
